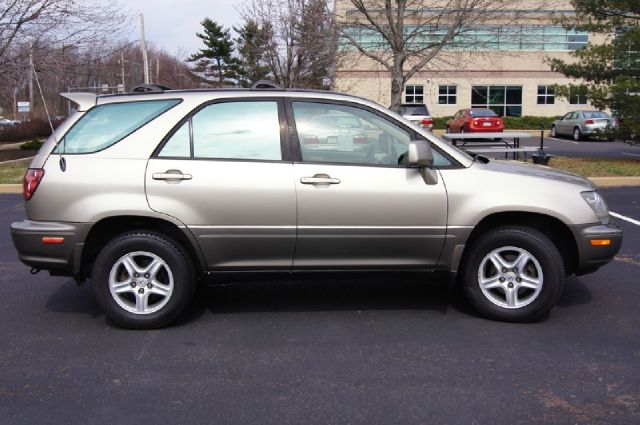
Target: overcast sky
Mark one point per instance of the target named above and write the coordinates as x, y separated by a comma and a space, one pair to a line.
172, 24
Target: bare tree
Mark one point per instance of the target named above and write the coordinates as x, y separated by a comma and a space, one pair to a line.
299, 39
403, 36
50, 23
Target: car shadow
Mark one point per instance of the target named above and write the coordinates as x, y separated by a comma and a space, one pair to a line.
300, 295
69, 298
575, 293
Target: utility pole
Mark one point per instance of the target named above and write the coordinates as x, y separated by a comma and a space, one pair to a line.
124, 88
143, 46
30, 78
157, 70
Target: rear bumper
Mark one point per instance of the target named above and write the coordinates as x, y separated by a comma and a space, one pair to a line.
590, 257
60, 258
485, 130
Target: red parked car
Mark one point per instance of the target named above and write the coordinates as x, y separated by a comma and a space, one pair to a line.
473, 120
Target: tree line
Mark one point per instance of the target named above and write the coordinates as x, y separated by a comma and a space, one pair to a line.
298, 43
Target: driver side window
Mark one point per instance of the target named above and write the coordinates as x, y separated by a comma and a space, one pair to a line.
345, 134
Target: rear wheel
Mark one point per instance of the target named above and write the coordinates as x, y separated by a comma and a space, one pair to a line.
513, 274
143, 280
577, 134
554, 132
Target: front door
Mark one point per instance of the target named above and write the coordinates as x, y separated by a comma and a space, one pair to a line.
225, 173
359, 205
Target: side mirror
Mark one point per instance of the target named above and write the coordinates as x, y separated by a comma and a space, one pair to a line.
421, 156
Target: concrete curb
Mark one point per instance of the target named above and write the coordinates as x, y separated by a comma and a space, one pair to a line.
10, 188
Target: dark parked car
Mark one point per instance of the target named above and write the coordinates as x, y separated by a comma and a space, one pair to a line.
473, 120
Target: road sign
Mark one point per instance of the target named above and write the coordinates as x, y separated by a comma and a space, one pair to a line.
24, 107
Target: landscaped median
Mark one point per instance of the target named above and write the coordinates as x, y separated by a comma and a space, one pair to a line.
602, 171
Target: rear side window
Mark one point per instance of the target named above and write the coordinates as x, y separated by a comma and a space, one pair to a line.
105, 125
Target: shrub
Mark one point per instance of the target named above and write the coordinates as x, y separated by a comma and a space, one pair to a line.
527, 122
26, 130
32, 145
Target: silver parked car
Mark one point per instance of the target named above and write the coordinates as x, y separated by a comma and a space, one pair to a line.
581, 124
150, 194
418, 114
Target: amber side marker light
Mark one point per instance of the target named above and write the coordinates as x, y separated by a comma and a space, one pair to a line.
52, 239
600, 242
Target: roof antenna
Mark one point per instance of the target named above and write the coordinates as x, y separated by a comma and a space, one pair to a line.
63, 162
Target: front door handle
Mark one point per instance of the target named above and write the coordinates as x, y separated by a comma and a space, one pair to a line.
171, 176
319, 180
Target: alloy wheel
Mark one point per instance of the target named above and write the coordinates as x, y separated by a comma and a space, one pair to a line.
510, 277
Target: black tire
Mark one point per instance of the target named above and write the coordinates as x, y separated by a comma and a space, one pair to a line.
530, 241
577, 134
554, 131
178, 271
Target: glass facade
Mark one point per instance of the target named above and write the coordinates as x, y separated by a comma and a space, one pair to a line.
486, 37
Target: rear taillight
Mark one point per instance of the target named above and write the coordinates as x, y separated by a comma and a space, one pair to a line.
617, 121
32, 179
427, 122
588, 122
359, 139
310, 140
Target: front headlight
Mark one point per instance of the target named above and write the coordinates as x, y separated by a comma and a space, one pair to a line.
597, 204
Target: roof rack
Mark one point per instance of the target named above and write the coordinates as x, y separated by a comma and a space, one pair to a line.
265, 84
149, 88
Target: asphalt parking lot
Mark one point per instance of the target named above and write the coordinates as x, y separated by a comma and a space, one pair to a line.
381, 352
591, 148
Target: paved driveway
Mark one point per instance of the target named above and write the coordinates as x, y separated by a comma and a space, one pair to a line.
323, 351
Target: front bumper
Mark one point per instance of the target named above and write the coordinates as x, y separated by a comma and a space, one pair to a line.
590, 257
60, 258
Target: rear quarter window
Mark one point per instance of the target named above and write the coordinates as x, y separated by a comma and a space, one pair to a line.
105, 125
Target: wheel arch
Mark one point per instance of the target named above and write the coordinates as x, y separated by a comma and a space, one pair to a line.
556, 230
108, 228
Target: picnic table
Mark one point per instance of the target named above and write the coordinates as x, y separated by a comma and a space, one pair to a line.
507, 142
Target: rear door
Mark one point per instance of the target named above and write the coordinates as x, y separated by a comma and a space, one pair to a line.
359, 205
225, 172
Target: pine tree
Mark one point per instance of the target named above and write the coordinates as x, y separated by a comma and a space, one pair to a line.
610, 71
250, 66
215, 62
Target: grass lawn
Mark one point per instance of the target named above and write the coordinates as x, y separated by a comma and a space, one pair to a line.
587, 167
12, 173
597, 167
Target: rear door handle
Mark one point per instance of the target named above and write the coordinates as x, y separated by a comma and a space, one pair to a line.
319, 180
169, 175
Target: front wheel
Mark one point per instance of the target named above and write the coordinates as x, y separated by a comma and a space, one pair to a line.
554, 132
142, 280
514, 274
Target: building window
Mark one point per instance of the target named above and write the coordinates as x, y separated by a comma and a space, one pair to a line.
546, 95
503, 100
578, 95
447, 95
414, 94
